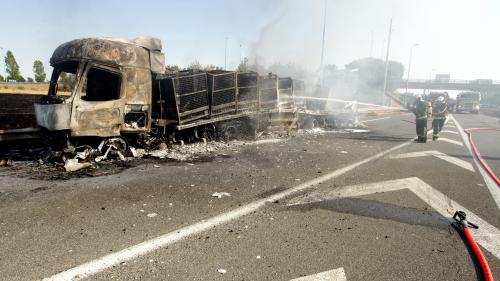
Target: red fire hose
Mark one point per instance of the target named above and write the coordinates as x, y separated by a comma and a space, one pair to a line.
463, 224
478, 155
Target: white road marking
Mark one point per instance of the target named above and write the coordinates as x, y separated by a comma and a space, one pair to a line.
105, 262
371, 120
449, 132
450, 159
451, 126
450, 141
492, 186
331, 275
487, 235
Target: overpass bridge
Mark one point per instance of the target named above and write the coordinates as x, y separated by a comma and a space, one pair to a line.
478, 85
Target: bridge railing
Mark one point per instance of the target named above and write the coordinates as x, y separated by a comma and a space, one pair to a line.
456, 81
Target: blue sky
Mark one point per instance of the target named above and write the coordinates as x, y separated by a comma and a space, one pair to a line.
456, 36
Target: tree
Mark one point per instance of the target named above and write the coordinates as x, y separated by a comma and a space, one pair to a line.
2, 79
209, 67
21, 79
30, 80
39, 71
66, 82
12, 67
172, 69
243, 66
371, 71
195, 65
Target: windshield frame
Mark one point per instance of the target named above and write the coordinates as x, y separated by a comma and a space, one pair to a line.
56, 72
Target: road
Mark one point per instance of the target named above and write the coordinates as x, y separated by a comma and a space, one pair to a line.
363, 205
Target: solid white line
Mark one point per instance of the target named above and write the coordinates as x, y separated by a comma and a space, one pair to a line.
331, 275
371, 120
100, 264
453, 160
492, 186
450, 141
487, 235
450, 132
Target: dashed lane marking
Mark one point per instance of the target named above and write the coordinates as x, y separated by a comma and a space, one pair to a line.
492, 186
95, 266
450, 141
331, 275
487, 235
450, 159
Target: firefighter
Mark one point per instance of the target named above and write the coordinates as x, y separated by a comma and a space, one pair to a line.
439, 113
420, 111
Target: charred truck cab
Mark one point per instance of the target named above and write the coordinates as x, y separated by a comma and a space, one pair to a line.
101, 87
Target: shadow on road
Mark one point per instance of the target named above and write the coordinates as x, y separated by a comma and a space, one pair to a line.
379, 210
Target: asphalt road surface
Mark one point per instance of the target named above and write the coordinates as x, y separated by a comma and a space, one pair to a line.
362, 205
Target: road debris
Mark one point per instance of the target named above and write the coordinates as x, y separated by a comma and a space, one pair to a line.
219, 195
5, 162
72, 165
152, 215
222, 271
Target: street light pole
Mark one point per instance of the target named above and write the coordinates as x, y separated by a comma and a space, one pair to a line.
409, 66
225, 54
323, 41
387, 61
5, 78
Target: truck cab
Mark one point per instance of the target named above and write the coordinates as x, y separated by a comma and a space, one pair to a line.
101, 87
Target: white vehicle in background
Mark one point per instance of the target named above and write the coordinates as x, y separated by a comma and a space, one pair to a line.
468, 102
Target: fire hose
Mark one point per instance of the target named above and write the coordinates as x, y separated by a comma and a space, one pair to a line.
463, 225
478, 155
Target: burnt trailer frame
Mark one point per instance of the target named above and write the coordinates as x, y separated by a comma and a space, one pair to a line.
222, 92
180, 98
268, 92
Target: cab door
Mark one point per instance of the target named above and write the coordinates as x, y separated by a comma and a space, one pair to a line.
98, 107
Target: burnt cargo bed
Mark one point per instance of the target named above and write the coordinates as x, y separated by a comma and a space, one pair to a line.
181, 98
248, 91
222, 92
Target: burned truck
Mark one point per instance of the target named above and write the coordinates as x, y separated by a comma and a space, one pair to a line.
117, 88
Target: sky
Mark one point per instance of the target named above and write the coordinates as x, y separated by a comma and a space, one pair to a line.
454, 36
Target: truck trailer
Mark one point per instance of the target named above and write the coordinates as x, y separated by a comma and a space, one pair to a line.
119, 89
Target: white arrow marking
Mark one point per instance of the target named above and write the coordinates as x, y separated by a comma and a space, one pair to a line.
450, 132
487, 235
451, 126
453, 160
331, 275
451, 141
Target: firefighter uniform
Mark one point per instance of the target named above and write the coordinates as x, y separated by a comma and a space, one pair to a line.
420, 111
439, 113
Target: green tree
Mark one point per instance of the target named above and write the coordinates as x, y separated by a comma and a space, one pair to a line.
2, 79
30, 80
209, 67
13, 72
39, 71
172, 69
21, 79
195, 65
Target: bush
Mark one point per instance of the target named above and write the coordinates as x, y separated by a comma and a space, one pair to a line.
20, 87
